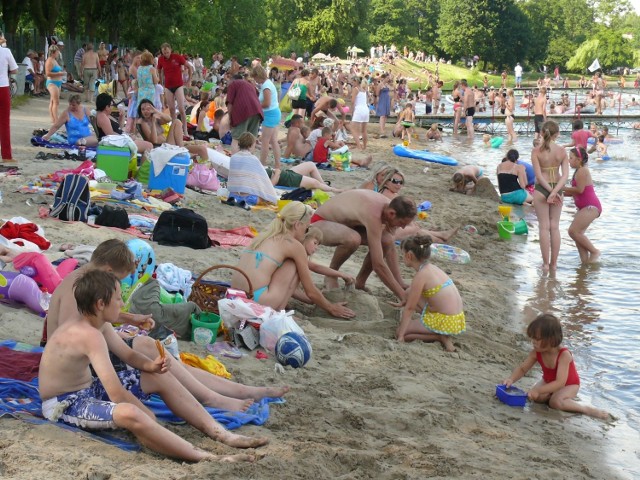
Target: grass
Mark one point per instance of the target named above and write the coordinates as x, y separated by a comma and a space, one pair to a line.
17, 102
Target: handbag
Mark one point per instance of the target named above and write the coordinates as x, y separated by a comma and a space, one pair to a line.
294, 92
204, 177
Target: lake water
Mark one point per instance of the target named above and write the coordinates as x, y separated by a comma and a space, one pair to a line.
599, 305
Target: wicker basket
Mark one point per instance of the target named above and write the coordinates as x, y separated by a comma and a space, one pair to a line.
206, 295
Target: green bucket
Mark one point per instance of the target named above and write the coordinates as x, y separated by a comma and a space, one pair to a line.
506, 229
204, 327
520, 227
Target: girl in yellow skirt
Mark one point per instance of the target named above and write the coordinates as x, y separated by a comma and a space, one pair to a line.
435, 293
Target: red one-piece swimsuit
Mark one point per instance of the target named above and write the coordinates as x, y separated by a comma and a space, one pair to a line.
549, 374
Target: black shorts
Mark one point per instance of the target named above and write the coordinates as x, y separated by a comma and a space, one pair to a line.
299, 103
538, 120
471, 111
428, 109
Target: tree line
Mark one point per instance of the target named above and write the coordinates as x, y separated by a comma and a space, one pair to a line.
569, 33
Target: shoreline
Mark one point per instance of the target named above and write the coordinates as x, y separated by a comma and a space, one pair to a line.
365, 406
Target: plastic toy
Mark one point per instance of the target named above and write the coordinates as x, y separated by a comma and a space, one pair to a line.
512, 396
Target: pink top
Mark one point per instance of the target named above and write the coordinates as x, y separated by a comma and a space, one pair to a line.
580, 138
587, 198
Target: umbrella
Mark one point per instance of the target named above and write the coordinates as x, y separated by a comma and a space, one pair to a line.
285, 63
319, 56
357, 50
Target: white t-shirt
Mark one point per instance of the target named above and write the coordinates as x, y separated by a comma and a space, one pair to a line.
27, 61
7, 62
314, 136
518, 71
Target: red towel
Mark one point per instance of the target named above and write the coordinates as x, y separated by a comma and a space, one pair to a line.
27, 231
19, 365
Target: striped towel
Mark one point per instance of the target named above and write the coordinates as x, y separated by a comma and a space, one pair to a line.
247, 176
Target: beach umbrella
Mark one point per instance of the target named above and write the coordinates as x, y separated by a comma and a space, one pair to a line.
357, 50
319, 56
282, 63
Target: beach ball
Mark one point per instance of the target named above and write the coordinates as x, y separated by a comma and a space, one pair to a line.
293, 349
145, 260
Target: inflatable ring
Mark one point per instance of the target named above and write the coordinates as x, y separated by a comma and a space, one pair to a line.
441, 251
496, 142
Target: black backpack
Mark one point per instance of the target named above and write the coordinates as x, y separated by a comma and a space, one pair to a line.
72, 199
113, 217
299, 194
182, 227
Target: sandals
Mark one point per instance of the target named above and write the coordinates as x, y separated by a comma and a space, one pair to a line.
231, 201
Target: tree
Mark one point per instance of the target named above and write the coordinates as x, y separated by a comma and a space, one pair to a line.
485, 27
45, 14
608, 46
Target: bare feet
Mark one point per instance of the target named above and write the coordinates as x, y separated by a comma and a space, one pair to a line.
594, 257
362, 287
446, 342
272, 392
447, 235
230, 404
240, 441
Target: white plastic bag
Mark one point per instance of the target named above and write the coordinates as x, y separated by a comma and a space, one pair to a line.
275, 326
236, 310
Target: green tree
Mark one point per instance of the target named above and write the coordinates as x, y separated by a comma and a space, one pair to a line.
491, 29
608, 46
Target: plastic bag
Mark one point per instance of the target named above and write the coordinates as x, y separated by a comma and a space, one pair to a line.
275, 326
237, 310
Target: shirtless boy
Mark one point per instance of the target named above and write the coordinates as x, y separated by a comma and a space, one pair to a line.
297, 146
370, 219
115, 257
89, 67
69, 392
540, 110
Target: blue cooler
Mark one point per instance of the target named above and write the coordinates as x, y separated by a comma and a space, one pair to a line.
173, 175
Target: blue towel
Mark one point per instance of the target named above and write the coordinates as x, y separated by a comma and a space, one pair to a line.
41, 142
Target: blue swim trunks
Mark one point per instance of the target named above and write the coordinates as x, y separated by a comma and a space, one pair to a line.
91, 408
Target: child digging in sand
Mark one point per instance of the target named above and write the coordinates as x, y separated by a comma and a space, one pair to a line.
434, 292
560, 381
110, 400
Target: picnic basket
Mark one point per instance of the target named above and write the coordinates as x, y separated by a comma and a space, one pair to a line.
206, 294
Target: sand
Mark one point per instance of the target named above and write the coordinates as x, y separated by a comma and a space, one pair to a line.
366, 406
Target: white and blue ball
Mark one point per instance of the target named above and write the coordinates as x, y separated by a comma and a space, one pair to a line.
293, 349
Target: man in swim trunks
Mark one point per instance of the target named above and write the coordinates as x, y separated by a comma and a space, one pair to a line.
89, 68
540, 110
70, 393
364, 217
469, 105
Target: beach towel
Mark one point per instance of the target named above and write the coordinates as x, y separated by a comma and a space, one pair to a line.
234, 237
162, 155
41, 142
247, 176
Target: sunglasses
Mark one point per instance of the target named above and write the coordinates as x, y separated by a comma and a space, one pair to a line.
396, 181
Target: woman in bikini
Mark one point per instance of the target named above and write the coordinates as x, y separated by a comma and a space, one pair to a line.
107, 125
551, 167
276, 262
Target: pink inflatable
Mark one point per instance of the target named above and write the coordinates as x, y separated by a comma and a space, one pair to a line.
37, 266
16, 287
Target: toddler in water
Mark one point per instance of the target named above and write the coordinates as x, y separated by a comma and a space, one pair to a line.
435, 293
587, 203
560, 381
601, 148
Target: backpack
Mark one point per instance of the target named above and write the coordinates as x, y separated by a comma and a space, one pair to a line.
182, 227
299, 194
72, 199
113, 217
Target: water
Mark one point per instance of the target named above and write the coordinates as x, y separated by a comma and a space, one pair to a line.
598, 304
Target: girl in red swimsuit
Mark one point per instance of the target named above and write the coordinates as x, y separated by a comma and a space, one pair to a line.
560, 381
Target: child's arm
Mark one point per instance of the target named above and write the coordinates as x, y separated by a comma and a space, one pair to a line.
130, 356
560, 381
521, 370
582, 180
330, 272
413, 297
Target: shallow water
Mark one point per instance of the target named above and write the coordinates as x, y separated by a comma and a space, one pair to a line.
599, 304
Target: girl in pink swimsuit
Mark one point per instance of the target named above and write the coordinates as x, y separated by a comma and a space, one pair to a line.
587, 203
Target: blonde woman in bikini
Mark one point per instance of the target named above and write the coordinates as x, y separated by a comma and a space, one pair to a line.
551, 166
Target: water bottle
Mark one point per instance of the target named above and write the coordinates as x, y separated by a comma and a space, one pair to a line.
223, 192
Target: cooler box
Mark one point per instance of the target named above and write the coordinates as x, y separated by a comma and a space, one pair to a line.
114, 161
174, 174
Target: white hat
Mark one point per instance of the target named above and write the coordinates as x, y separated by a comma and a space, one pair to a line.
60, 44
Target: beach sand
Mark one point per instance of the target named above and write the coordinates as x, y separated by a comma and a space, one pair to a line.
365, 406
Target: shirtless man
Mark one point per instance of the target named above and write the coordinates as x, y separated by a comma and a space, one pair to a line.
370, 219
313, 87
69, 391
114, 256
468, 105
89, 68
297, 146
103, 53
328, 105
540, 110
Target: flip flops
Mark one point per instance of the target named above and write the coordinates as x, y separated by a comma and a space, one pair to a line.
231, 201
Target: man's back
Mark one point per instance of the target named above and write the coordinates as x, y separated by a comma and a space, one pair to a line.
354, 208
